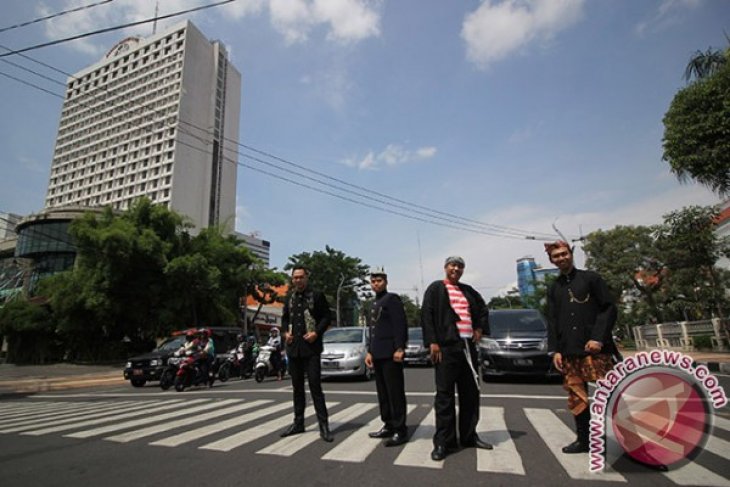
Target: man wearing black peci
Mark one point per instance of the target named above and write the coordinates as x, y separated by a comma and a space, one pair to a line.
388, 335
453, 317
305, 318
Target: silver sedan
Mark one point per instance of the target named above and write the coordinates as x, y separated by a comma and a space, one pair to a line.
344, 353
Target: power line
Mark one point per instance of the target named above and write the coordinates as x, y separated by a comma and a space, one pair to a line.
111, 29
431, 213
58, 14
482, 228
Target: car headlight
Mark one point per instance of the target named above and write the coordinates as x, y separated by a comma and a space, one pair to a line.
128, 365
155, 362
357, 352
543, 345
491, 345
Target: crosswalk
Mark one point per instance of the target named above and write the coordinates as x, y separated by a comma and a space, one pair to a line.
223, 425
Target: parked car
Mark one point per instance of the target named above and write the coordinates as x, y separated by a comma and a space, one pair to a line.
344, 353
416, 352
149, 367
516, 345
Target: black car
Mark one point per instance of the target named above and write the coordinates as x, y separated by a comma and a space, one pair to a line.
416, 352
148, 367
516, 345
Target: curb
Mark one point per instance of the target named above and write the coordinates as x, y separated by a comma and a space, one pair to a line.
24, 387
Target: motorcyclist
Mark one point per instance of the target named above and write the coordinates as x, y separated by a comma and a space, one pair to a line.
208, 354
191, 347
275, 342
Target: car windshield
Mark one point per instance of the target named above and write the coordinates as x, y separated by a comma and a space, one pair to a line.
343, 336
516, 324
172, 344
415, 334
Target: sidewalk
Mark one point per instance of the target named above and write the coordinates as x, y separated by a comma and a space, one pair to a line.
29, 379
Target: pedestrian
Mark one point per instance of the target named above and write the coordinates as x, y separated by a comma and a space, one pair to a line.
305, 318
386, 349
453, 317
581, 316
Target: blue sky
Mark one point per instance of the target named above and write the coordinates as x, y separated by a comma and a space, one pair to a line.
514, 113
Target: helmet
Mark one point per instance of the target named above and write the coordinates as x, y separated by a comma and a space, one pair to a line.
274, 330
204, 332
251, 339
240, 337
190, 333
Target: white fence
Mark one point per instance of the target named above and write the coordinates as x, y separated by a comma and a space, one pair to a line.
680, 334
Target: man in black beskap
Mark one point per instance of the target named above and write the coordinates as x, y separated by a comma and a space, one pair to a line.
305, 318
581, 316
453, 317
388, 336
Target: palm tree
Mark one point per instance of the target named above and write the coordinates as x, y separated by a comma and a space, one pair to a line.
704, 64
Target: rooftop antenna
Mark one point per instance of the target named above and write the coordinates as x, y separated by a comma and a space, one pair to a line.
154, 24
558, 231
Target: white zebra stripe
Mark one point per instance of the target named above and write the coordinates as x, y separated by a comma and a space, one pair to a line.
504, 458
417, 452
63, 417
555, 434
179, 412
203, 431
358, 446
288, 446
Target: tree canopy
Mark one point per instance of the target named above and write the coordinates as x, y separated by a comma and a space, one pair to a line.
666, 271
697, 124
141, 274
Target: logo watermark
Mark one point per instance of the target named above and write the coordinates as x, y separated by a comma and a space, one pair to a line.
657, 406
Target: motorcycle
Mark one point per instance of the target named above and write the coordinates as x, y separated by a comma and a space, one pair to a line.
167, 378
264, 366
237, 364
190, 373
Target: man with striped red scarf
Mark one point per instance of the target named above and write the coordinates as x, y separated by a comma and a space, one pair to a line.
453, 317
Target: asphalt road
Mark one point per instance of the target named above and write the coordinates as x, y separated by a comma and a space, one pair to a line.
228, 435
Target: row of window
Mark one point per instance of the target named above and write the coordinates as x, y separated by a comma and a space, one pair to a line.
142, 53
108, 178
134, 104
115, 124
119, 198
108, 156
112, 138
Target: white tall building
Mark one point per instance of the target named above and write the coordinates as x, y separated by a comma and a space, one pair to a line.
156, 117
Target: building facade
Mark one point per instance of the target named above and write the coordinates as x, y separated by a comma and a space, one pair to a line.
528, 273
259, 248
156, 117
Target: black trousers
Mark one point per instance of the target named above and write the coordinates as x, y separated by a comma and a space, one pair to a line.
454, 372
390, 385
311, 366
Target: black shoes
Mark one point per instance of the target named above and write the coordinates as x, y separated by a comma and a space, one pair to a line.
439, 453
397, 439
477, 443
324, 433
294, 429
381, 433
576, 447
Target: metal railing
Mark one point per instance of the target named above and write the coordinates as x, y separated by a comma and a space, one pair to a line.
681, 334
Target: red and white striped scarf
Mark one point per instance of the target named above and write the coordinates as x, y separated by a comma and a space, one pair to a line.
461, 306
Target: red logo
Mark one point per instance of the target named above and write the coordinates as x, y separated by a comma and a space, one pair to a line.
660, 418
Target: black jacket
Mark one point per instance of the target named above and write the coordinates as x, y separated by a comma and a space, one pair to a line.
293, 321
438, 319
580, 308
389, 329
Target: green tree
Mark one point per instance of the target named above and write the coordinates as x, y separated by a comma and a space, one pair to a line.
538, 300
29, 331
696, 126
628, 259
691, 248
412, 309
140, 274
511, 300
331, 270
704, 64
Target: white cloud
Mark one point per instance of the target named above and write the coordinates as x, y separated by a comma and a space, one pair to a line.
668, 13
496, 30
392, 155
346, 21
